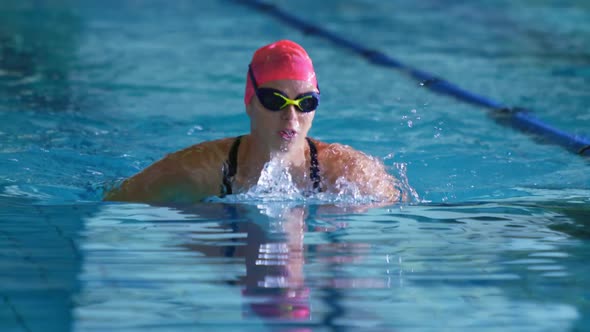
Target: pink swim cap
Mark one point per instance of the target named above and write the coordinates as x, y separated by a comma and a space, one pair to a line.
281, 60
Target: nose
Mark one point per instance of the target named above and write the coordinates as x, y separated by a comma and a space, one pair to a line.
289, 112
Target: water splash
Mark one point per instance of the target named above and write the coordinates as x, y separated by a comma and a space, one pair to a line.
276, 185
275, 181
347, 190
404, 185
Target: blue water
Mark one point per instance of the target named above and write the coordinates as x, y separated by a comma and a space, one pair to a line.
92, 92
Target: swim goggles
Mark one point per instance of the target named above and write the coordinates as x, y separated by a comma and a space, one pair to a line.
275, 100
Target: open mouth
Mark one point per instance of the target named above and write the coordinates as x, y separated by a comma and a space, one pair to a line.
287, 134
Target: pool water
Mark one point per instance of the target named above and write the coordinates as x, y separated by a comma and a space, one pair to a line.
93, 92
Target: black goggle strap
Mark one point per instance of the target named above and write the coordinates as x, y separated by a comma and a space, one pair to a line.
251, 74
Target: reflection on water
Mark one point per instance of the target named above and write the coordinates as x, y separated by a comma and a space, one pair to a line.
272, 248
286, 265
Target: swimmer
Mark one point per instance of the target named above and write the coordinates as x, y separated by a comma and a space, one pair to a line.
281, 98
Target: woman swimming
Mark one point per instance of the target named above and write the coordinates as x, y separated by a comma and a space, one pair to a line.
281, 97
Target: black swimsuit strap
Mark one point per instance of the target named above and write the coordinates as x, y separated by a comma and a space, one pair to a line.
230, 167
314, 167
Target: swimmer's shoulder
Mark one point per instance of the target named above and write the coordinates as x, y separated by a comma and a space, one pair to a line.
194, 172
201, 164
342, 162
338, 153
208, 153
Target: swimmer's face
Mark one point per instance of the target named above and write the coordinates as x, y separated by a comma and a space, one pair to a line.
286, 128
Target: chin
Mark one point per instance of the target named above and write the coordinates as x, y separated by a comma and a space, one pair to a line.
288, 145
285, 146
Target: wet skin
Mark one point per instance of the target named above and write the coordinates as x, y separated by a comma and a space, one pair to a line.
194, 173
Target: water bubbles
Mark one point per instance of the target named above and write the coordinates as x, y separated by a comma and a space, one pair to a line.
410, 120
100, 132
438, 131
94, 172
194, 129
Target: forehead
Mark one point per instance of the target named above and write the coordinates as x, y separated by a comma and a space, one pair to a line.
291, 87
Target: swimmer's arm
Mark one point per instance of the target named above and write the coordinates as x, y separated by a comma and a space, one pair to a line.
368, 174
181, 177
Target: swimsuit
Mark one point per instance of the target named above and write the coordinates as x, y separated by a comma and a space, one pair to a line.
230, 167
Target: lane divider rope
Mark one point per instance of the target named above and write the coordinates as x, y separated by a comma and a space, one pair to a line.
516, 117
